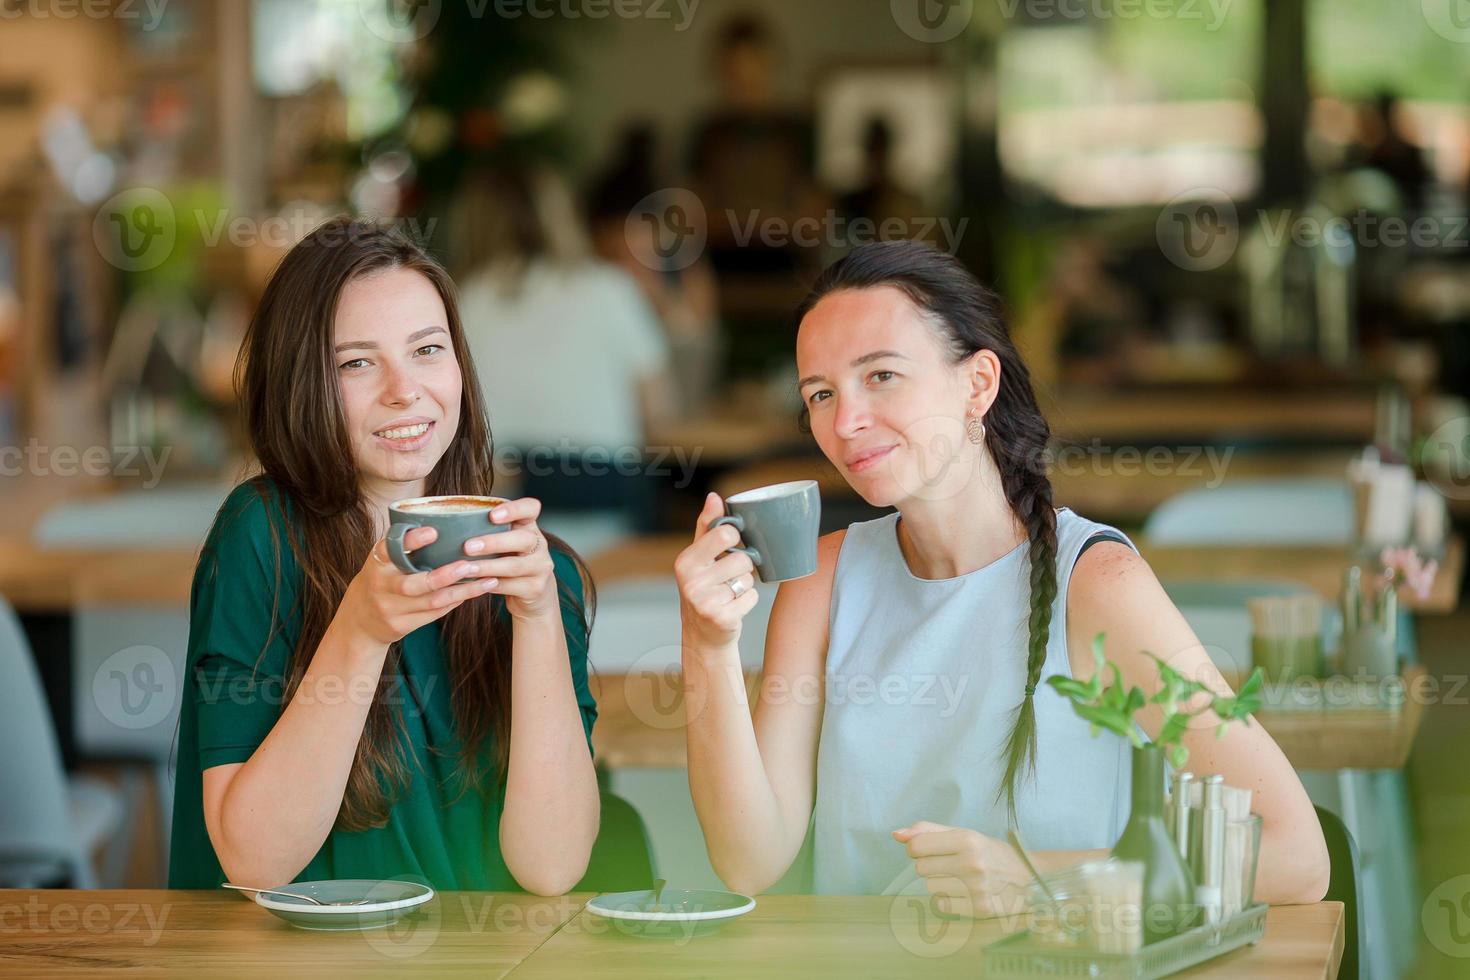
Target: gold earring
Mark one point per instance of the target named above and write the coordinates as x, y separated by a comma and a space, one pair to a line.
975, 429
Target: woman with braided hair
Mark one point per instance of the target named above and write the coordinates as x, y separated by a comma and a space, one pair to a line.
902, 716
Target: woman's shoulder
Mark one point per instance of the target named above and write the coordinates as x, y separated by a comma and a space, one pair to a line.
1111, 586
251, 521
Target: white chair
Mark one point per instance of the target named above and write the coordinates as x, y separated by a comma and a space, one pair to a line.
1288, 511
45, 818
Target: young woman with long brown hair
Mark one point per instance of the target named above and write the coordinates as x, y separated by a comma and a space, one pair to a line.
343, 719
902, 714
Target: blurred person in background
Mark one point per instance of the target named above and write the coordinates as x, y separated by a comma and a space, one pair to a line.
879, 196
572, 359
1384, 148
683, 292
751, 157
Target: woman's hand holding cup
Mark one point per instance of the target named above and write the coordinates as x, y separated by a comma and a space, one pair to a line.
716, 585
386, 605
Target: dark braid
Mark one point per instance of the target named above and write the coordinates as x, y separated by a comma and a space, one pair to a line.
1016, 433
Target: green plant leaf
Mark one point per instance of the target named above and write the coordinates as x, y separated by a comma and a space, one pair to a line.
1109, 718
1069, 688
1174, 727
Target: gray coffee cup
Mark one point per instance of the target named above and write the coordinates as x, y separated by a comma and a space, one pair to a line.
457, 518
778, 527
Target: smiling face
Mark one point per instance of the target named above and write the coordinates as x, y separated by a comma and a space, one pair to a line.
399, 380
888, 403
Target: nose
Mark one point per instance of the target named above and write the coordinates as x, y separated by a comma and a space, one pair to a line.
852, 415
399, 388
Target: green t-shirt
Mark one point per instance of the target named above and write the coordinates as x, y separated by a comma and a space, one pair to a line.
233, 697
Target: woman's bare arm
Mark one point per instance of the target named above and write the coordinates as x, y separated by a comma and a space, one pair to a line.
1113, 591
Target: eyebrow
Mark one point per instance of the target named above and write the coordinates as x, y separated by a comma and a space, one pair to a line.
859, 362
371, 345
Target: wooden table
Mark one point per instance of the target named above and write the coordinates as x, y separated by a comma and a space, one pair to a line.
1319, 567
493, 935
57, 580
192, 933
1212, 414
1337, 738
732, 433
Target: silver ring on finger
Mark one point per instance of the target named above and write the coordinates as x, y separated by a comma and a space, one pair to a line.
737, 587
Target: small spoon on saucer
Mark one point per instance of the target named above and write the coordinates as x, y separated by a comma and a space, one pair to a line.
277, 891
658, 887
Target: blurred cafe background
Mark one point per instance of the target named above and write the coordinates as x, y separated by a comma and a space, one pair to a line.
1231, 236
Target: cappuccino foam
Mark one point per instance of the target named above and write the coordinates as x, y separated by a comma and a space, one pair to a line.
449, 505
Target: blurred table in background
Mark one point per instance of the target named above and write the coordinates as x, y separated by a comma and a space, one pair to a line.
1116, 487
732, 433
641, 720
1318, 567
1221, 415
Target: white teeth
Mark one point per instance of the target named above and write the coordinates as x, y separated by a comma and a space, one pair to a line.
405, 432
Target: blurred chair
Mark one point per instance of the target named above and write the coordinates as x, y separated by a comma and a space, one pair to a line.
115, 716
127, 680
44, 816
1291, 511
1344, 885
622, 859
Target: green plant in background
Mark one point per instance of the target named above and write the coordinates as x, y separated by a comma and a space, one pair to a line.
1112, 706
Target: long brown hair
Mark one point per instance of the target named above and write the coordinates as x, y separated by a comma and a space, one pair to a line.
293, 413
970, 319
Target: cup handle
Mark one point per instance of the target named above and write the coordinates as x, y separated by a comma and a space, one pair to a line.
738, 523
396, 550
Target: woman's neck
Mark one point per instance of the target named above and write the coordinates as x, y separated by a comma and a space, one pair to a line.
377, 496
951, 537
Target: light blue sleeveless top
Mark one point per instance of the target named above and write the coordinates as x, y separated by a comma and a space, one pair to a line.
923, 681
